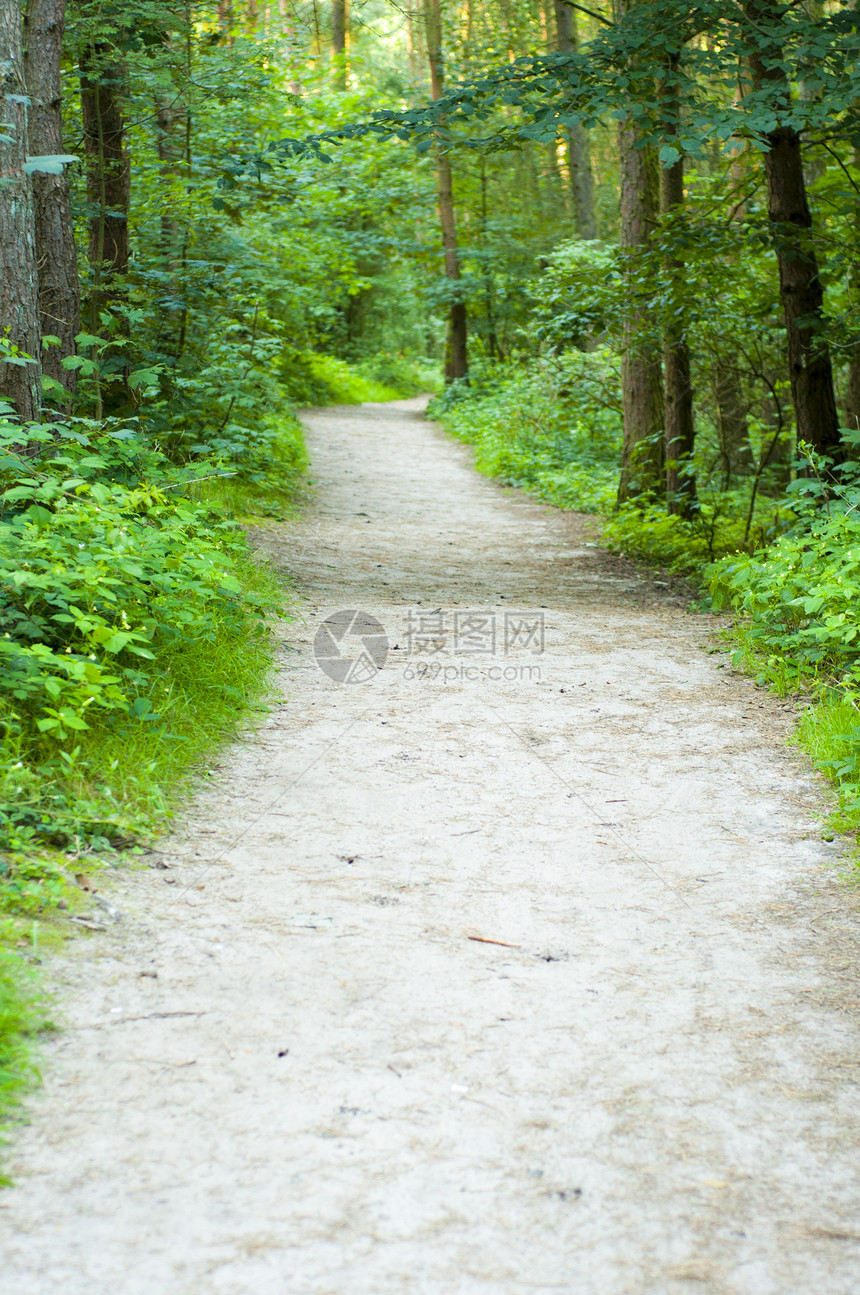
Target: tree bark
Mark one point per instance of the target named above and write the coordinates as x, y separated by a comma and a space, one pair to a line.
340, 42
56, 254
732, 426
802, 295
20, 384
103, 83
680, 429
578, 147
456, 350
852, 390
226, 20
168, 115
642, 455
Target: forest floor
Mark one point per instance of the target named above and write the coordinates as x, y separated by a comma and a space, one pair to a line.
475, 980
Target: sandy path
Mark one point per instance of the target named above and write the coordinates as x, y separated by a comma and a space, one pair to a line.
327, 1087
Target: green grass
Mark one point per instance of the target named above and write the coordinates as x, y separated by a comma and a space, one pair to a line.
829, 733
374, 381
204, 693
22, 1020
344, 385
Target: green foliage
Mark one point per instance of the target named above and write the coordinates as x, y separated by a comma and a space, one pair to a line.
829, 733
546, 427
342, 385
111, 576
402, 374
684, 545
800, 595
798, 606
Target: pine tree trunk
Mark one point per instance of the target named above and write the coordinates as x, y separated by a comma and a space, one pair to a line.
20, 384
642, 455
340, 42
103, 83
802, 295
680, 429
56, 254
456, 350
578, 147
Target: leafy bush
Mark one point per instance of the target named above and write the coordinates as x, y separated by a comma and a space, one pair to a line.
108, 573
798, 603
800, 594
407, 375
547, 427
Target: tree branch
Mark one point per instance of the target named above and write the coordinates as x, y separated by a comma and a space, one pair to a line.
590, 12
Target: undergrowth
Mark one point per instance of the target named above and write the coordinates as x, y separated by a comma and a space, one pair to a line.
798, 629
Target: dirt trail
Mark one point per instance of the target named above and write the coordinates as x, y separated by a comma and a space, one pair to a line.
291, 1071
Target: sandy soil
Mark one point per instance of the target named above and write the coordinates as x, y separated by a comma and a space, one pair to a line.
293, 1069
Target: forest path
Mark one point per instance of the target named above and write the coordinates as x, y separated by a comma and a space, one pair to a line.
292, 1071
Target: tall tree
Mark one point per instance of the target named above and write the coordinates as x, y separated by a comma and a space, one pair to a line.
578, 147
642, 455
802, 294
678, 390
456, 351
103, 90
852, 389
56, 254
340, 42
19, 290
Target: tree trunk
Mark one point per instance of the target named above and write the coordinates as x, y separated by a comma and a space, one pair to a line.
20, 383
456, 350
680, 430
642, 455
802, 295
578, 147
340, 42
732, 426
169, 115
103, 83
226, 19
56, 254
852, 391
